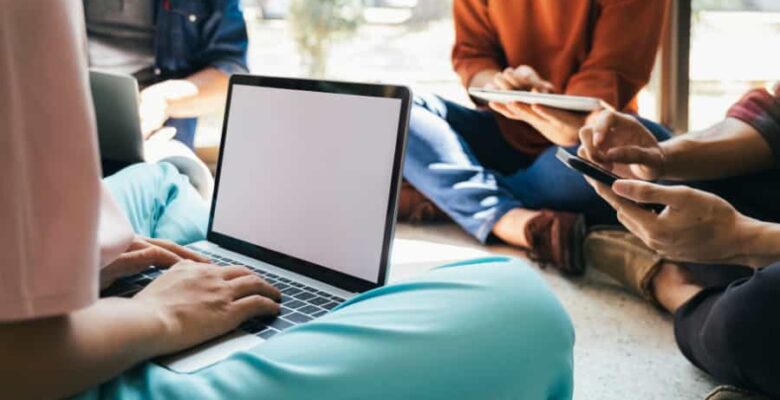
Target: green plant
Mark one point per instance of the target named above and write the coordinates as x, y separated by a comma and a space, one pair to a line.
316, 24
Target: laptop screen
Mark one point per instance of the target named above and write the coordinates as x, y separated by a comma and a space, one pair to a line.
308, 174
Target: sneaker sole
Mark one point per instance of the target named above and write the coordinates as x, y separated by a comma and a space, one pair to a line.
575, 262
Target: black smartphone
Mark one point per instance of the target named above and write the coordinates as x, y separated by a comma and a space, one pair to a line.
600, 174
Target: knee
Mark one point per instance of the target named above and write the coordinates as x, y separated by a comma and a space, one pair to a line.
517, 301
742, 331
526, 329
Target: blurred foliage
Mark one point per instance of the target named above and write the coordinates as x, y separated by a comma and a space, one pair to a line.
316, 24
698, 5
427, 11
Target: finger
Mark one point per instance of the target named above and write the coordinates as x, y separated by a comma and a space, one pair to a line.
639, 218
633, 155
565, 117
500, 81
605, 123
529, 77
543, 87
607, 194
501, 109
249, 285
586, 140
524, 112
158, 256
254, 306
139, 260
180, 251
509, 75
235, 271
646, 192
138, 244
632, 225
126, 264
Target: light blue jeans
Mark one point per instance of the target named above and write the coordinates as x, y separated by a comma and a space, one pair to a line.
482, 329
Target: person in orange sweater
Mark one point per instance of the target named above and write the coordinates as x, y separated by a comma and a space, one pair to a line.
492, 169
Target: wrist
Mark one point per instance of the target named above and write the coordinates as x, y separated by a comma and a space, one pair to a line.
158, 324
758, 242
669, 155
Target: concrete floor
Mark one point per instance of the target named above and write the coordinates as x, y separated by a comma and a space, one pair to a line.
625, 347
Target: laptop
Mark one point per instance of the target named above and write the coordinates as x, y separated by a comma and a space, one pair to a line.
305, 195
115, 97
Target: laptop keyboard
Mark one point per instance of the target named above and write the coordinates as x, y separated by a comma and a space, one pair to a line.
300, 303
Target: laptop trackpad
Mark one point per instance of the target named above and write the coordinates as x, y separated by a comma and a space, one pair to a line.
209, 353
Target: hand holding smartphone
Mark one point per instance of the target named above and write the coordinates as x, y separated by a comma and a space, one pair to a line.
599, 174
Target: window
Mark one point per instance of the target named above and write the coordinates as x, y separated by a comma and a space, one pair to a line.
390, 41
733, 49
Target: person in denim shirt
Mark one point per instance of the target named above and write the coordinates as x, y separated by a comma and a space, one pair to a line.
181, 52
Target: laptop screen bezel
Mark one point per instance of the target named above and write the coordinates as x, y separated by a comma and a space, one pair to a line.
285, 261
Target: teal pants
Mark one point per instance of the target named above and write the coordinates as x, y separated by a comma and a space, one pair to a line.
483, 329
160, 202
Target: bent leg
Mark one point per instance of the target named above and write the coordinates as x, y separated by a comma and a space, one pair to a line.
448, 170
160, 202
732, 333
485, 329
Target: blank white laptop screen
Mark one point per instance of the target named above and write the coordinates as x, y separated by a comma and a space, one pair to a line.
308, 174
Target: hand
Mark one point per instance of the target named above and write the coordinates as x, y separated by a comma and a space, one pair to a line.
559, 126
156, 102
197, 302
153, 111
621, 144
696, 226
144, 253
520, 78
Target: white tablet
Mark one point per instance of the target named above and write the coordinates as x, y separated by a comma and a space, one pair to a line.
564, 102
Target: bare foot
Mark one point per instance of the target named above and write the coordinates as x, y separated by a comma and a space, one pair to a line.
511, 227
672, 286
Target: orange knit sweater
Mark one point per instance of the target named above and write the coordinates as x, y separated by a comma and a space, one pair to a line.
598, 48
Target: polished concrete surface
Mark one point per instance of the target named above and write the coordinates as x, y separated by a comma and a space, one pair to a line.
625, 347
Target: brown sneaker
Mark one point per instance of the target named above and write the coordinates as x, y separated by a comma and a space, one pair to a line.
556, 239
621, 255
415, 208
733, 393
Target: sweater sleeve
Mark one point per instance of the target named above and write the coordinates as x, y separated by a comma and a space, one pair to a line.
761, 110
476, 43
625, 41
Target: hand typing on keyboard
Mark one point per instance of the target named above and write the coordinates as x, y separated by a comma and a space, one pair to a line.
196, 302
144, 253
300, 303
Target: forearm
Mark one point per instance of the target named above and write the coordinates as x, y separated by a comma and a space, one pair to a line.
758, 243
730, 148
61, 356
199, 94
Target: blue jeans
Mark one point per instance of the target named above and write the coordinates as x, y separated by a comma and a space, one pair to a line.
482, 329
458, 158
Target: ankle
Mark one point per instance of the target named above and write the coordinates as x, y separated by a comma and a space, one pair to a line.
511, 227
672, 286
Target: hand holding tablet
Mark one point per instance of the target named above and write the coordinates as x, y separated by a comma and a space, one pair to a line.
563, 102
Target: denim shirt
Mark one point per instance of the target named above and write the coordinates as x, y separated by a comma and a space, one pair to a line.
195, 34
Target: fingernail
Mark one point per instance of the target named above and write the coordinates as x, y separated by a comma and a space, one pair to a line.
619, 186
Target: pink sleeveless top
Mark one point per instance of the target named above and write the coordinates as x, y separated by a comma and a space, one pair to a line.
58, 225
